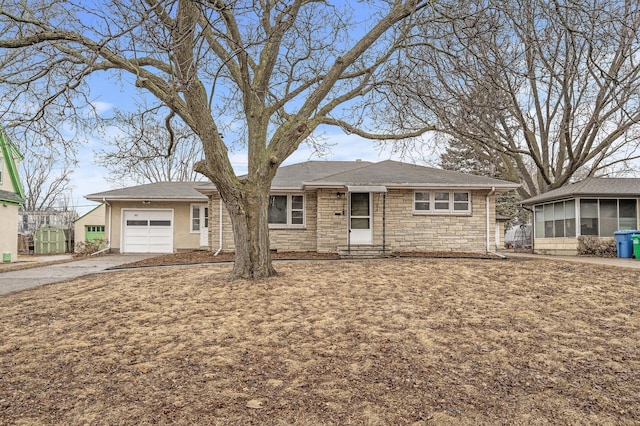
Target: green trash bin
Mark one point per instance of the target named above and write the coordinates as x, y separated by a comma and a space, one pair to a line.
6, 257
636, 246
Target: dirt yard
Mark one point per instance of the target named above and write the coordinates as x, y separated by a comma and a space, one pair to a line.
396, 341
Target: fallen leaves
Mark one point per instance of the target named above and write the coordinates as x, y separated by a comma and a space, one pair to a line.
393, 341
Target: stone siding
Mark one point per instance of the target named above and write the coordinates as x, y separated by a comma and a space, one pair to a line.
406, 231
402, 230
332, 220
556, 246
281, 239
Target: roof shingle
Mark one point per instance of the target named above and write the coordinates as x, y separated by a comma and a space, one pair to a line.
591, 187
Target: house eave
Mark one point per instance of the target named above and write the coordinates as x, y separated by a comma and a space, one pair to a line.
578, 196
12, 202
448, 186
154, 199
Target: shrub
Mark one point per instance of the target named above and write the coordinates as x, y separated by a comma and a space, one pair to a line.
595, 246
85, 248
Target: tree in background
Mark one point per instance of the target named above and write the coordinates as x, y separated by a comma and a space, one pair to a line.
46, 183
150, 151
461, 157
547, 90
273, 70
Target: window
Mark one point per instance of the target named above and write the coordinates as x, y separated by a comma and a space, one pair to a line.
461, 201
95, 228
422, 201
442, 202
589, 217
602, 217
556, 220
570, 218
608, 217
628, 215
199, 217
548, 221
286, 210
539, 221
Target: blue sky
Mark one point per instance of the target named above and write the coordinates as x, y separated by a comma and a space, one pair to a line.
89, 177
107, 93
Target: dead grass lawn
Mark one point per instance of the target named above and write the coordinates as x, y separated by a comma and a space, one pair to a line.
396, 341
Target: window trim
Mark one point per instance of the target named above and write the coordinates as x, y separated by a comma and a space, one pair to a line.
202, 207
289, 224
431, 201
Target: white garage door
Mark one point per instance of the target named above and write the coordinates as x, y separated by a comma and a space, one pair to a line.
148, 231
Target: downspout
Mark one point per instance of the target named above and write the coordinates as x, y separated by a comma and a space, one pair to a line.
493, 190
220, 230
348, 194
384, 224
108, 247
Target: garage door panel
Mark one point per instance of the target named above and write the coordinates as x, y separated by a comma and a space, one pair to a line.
148, 231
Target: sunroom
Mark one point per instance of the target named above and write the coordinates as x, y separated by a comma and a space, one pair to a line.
593, 207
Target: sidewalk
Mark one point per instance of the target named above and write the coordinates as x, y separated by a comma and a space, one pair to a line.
608, 261
48, 274
32, 261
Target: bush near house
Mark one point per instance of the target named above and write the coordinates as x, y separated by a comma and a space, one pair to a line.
595, 246
86, 248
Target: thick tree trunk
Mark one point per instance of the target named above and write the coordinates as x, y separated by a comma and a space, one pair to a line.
251, 234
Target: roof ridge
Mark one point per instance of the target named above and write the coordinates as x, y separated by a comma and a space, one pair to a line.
355, 162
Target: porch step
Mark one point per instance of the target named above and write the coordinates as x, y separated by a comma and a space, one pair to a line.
357, 251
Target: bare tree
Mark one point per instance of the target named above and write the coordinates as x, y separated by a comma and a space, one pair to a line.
150, 151
545, 90
46, 182
275, 69
45, 169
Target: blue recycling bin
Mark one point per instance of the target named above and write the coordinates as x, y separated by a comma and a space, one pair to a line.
624, 243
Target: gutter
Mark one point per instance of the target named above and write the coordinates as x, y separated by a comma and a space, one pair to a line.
220, 231
493, 190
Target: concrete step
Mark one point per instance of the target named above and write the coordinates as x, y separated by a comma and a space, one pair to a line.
361, 251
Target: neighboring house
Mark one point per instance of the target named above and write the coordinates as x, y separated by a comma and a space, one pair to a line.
91, 225
321, 206
594, 207
31, 221
11, 197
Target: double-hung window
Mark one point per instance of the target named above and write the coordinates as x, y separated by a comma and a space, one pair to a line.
441, 202
286, 210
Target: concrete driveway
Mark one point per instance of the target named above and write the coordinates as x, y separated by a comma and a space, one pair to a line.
49, 274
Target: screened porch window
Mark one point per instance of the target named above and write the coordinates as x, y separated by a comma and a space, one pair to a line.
603, 217
556, 220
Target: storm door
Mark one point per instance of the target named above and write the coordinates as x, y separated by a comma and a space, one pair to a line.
360, 229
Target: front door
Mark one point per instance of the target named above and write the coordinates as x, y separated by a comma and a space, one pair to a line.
204, 229
360, 230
